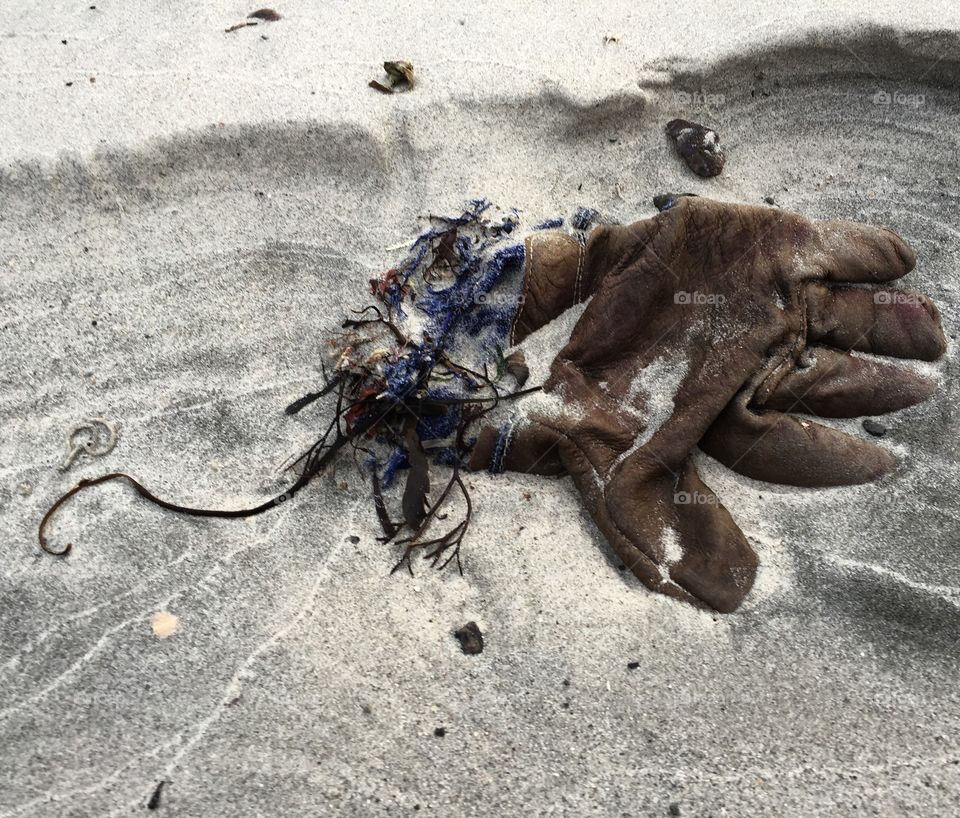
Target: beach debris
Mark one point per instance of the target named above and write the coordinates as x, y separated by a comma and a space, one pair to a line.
409, 375
267, 15
440, 732
94, 437
664, 201
633, 665
255, 18
610, 38
698, 146
514, 365
164, 624
769, 200
674, 809
154, 802
874, 427
399, 77
470, 639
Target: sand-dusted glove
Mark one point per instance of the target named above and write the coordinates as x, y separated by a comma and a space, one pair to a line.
708, 322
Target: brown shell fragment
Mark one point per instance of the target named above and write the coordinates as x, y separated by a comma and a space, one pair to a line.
268, 15
399, 77
400, 71
698, 145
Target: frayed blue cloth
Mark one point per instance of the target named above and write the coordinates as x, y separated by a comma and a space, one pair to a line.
583, 218
550, 224
397, 460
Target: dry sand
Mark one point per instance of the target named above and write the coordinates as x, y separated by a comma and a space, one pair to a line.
176, 240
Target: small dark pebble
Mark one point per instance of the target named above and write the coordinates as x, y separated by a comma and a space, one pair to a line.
769, 200
154, 802
874, 427
69, 84
674, 809
64, 42
440, 732
470, 638
698, 145
632, 665
353, 538
664, 201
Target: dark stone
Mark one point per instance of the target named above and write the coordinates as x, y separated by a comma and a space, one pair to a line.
632, 665
698, 145
674, 808
470, 638
440, 732
664, 201
769, 200
874, 427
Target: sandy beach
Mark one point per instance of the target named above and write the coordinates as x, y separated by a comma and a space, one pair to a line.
187, 214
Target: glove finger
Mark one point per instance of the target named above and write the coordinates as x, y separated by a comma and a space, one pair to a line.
882, 321
839, 385
529, 448
854, 252
718, 565
676, 536
779, 448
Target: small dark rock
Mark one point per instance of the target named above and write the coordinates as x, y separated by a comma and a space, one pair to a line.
632, 665
353, 538
664, 201
154, 802
674, 809
470, 638
769, 200
698, 145
874, 427
440, 732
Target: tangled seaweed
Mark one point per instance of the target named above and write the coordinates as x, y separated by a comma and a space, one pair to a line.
404, 395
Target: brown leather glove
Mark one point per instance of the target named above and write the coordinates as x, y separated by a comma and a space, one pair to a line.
708, 322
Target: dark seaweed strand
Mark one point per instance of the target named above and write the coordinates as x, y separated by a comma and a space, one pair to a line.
315, 461
452, 539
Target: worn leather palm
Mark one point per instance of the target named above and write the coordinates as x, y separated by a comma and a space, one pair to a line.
708, 323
